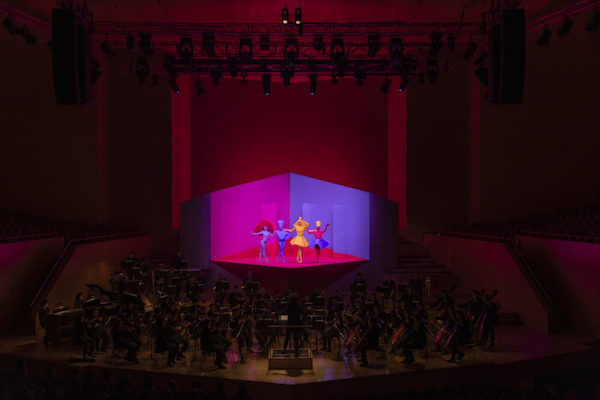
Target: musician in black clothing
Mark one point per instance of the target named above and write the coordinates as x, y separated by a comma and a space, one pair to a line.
294, 312
242, 331
333, 328
489, 320
415, 338
43, 317
214, 341
370, 341
358, 289
220, 291
124, 337
81, 336
235, 298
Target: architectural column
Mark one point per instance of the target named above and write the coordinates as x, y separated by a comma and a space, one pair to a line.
180, 147
396, 116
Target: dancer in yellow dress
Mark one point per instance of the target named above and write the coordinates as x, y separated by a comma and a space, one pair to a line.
299, 240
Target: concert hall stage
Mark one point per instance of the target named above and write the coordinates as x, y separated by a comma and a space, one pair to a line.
520, 352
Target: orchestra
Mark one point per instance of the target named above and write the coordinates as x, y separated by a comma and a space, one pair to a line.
169, 306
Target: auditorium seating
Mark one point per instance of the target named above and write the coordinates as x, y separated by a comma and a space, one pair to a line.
17, 383
581, 223
19, 225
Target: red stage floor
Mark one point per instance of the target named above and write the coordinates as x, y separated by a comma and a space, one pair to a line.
309, 260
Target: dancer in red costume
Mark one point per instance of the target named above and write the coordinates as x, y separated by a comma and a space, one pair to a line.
318, 243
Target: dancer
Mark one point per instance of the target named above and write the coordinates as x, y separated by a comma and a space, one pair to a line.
299, 240
318, 243
282, 236
263, 242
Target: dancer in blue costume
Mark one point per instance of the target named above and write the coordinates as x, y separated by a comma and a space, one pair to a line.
282, 237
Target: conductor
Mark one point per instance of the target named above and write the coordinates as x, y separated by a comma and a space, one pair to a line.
294, 313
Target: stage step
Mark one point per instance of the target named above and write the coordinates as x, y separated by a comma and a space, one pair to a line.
412, 250
280, 359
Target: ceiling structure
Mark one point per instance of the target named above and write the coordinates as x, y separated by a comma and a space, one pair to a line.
268, 11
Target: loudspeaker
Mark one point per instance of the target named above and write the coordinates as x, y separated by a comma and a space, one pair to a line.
507, 58
71, 58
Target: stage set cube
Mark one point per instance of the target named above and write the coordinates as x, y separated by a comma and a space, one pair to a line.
216, 230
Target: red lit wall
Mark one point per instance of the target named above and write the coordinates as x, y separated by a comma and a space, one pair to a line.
48, 153
544, 154
339, 135
437, 151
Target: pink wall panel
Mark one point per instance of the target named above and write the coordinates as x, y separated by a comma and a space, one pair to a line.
488, 265
235, 211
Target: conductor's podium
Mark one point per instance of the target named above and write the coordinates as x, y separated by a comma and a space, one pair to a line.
280, 359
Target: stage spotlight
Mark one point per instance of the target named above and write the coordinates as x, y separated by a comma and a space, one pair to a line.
318, 43
565, 28
285, 16
451, 42
11, 27
313, 83
291, 50
245, 50
396, 52
385, 88
286, 74
173, 84
298, 16
264, 43
266, 84
337, 50
142, 69
145, 44
199, 88
185, 50
432, 71
106, 49
470, 50
374, 45
436, 43
215, 73
594, 23
28, 36
403, 83
544, 40
208, 44
154, 80
359, 74
130, 42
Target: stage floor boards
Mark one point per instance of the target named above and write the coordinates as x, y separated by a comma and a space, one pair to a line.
513, 345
